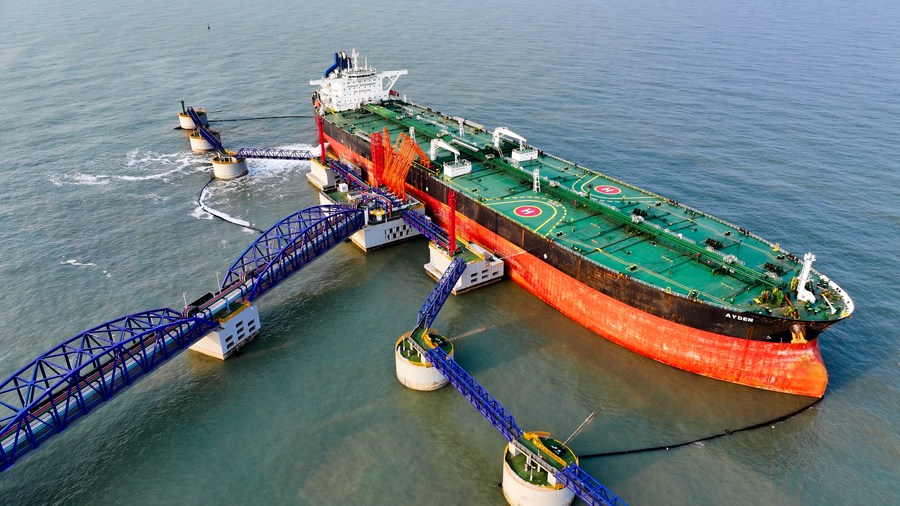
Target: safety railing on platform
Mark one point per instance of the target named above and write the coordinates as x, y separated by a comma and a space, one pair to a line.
350, 176
354, 181
426, 227
587, 488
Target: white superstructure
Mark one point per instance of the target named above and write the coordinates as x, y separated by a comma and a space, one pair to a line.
347, 84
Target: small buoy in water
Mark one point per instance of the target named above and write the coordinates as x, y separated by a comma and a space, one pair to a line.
199, 144
228, 167
185, 121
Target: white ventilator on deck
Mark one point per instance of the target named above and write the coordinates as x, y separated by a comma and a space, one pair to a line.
802, 293
454, 168
354, 86
537, 180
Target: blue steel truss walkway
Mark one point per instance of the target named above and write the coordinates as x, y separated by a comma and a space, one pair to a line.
574, 477
290, 245
259, 153
71, 379
68, 381
206, 134
274, 154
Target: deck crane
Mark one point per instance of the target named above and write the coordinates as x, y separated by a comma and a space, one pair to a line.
455, 168
503, 132
439, 143
521, 154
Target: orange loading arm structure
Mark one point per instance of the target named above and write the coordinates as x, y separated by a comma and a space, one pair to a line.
398, 160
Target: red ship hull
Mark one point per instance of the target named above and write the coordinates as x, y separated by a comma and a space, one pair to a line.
792, 368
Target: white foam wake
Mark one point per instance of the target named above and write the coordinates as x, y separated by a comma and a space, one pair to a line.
76, 263
72, 261
136, 162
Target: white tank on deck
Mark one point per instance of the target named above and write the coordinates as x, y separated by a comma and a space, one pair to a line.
186, 123
417, 375
522, 492
228, 167
199, 144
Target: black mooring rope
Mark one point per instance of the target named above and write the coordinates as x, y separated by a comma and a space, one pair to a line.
261, 117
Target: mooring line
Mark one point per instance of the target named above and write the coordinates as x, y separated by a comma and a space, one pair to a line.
261, 117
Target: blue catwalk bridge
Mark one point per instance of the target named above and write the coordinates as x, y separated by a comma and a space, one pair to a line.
274, 154
258, 153
73, 378
574, 477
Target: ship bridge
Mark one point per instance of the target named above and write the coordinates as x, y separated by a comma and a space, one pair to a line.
348, 84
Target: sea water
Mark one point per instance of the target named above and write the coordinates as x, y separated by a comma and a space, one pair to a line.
782, 117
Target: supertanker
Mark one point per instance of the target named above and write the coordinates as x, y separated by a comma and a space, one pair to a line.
654, 275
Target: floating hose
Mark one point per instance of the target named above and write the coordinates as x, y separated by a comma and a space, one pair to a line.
222, 216
727, 432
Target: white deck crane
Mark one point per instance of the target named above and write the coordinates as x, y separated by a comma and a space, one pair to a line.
454, 168
523, 153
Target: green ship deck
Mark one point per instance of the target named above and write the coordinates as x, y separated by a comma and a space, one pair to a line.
640, 234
